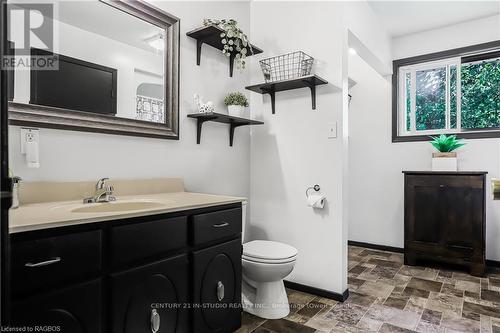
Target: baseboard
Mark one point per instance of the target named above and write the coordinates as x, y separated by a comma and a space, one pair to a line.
492, 263
376, 246
317, 291
489, 263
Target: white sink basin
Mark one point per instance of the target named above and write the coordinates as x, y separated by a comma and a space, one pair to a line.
118, 206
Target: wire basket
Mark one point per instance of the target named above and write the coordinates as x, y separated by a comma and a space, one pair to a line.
286, 66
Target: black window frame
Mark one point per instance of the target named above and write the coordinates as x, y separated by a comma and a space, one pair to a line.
467, 54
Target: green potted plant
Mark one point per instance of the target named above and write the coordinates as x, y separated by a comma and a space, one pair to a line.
446, 157
236, 103
235, 41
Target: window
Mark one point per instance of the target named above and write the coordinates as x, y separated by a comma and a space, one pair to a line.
456, 91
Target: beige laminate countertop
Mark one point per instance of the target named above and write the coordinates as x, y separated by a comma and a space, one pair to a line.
46, 215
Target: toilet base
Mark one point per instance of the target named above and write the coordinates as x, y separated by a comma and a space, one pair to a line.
267, 300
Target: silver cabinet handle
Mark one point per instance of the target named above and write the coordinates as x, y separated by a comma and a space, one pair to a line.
221, 225
43, 263
155, 321
220, 291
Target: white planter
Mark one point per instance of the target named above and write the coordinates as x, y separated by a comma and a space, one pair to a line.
236, 110
444, 162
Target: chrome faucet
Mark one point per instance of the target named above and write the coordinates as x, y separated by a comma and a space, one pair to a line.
103, 192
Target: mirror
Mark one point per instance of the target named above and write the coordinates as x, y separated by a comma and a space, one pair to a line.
116, 71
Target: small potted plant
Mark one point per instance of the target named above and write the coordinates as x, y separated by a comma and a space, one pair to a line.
236, 103
446, 158
235, 41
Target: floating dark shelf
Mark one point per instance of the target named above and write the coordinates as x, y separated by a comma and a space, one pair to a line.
211, 35
221, 118
310, 81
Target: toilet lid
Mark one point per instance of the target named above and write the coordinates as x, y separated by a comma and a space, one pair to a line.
262, 249
269, 261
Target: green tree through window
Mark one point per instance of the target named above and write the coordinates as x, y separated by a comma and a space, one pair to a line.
481, 94
437, 101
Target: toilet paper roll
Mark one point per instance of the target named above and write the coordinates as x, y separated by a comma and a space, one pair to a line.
316, 200
32, 155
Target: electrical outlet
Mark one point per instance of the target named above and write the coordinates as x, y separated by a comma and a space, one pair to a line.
28, 135
332, 130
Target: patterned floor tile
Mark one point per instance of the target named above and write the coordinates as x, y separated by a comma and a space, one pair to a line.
360, 299
369, 325
397, 301
431, 316
448, 304
286, 326
388, 328
473, 287
401, 318
416, 304
422, 284
389, 297
461, 325
482, 309
425, 327
376, 289
346, 313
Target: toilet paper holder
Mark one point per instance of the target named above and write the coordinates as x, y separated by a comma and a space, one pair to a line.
316, 187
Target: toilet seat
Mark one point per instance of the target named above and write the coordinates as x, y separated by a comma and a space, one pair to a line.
263, 251
269, 261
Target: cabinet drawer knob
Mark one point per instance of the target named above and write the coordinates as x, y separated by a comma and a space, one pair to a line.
220, 291
43, 263
155, 321
221, 225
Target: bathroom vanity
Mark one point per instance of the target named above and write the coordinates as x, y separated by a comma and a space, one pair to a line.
174, 271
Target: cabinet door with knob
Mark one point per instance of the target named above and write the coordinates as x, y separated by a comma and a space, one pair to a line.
75, 309
217, 288
151, 298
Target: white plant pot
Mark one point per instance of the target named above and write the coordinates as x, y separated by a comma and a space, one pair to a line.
444, 162
236, 110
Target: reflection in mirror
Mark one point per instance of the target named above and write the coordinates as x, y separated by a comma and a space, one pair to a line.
110, 63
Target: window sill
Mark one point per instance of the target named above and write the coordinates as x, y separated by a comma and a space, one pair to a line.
463, 135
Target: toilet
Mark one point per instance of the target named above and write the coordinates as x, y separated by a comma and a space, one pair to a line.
265, 265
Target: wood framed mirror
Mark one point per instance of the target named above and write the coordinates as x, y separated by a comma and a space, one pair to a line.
117, 72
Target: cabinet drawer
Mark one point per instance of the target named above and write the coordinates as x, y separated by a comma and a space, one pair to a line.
49, 261
212, 226
139, 241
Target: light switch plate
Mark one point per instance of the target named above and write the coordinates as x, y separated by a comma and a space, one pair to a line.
28, 135
332, 130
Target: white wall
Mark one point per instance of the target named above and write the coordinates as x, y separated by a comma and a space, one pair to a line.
211, 167
454, 36
376, 181
292, 151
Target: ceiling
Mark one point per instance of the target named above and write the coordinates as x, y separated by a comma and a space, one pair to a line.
102, 19
407, 17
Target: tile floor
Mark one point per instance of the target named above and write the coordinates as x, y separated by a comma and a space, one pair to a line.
387, 296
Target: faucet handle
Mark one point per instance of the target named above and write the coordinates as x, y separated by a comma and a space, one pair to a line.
110, 189
101, 182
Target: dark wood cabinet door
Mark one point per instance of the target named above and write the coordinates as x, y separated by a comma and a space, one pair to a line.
76, 309
424, 210
217, 288
151, 298
464, 203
